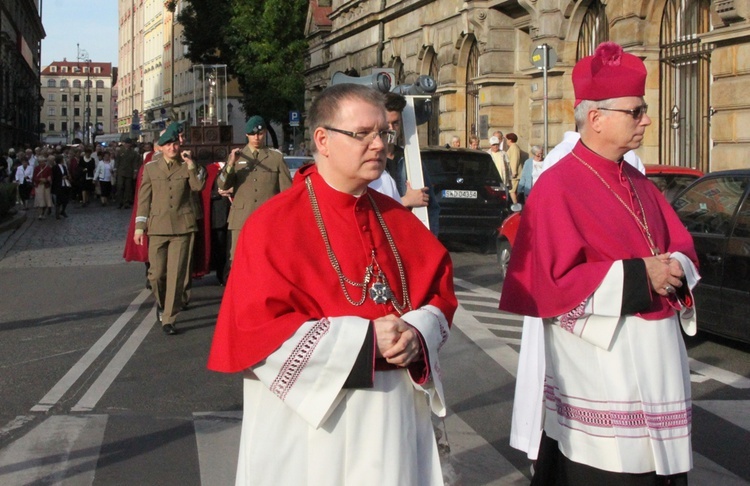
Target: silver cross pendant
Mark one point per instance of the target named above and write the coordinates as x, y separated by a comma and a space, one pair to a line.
379, 292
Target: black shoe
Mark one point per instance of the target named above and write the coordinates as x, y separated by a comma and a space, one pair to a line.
169, 329
148, 284
159, 314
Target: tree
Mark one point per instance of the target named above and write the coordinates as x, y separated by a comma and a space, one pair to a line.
263, 44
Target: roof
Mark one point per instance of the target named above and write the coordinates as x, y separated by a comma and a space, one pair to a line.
320, 14
105, 68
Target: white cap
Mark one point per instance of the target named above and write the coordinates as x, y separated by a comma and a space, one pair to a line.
494, 141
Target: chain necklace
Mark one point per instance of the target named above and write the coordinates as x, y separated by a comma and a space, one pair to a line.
380, 292
642, 223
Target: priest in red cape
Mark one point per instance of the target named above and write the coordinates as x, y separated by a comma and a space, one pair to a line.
603, 259
335, 310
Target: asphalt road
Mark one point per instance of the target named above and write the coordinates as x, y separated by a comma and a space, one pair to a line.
94, 393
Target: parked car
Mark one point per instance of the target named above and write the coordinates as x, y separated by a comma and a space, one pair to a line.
716, 211
473, 200
668, 178
294, 162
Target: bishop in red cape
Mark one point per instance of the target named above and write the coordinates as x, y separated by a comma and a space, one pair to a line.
602, 257
336, 307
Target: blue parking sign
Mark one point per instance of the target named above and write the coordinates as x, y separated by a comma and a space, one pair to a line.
294, 118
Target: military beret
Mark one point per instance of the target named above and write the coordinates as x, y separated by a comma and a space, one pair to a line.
171, 134
254, 125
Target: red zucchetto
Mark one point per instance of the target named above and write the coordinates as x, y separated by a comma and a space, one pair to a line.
609, 73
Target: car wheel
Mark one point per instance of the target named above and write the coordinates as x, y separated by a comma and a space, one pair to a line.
503, 256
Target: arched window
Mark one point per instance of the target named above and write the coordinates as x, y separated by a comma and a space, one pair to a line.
51, 83
100, 84
88, 83
472, 94
594, 30
64, 83
76, 83
685, 77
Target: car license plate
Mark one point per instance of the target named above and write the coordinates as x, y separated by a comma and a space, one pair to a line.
460, 194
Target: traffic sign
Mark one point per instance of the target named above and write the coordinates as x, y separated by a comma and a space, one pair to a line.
537, 57
294, 118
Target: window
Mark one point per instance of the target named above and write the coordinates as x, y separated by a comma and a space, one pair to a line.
76, 112
88, 83
76, 83
99, 98
51, 97
76, 69
594, 29
64, 83
64, 97
51, 111
708, 207
64, 111
85, 69
97, 70
64, 69
51, 83
99, 112
685, 80
51, 126
99, 83
76, 98
88, 98
53, 69
64, 126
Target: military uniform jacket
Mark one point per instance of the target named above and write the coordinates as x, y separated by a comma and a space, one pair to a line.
128, 163
254, 182
165, 200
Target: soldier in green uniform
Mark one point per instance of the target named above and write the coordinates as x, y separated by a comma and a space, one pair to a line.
127, 165
167, 213
254, 175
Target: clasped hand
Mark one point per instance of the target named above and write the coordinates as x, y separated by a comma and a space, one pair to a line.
664, 272
397, 341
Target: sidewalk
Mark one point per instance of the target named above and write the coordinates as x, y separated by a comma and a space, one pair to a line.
11, 223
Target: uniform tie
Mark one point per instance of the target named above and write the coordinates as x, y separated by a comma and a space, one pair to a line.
255, 154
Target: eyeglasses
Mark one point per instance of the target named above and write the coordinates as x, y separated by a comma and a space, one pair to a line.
637, 112
387, 136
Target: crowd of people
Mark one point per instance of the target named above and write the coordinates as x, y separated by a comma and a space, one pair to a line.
51, 176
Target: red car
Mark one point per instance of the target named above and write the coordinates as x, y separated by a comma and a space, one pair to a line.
669, 179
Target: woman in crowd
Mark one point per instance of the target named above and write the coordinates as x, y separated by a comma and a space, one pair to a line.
86, 169
61, 186
103, 176
24, 177
42, 187
531, 170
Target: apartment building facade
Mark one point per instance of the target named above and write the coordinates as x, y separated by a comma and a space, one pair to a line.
21, 34
480, 54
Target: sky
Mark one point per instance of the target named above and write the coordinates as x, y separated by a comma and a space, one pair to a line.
91, 23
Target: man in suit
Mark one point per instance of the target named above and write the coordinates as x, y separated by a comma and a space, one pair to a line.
254, 175
166, 212
61, 186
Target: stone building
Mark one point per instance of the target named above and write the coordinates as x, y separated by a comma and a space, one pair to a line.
77, 100
21, 35
697, 53
157, 81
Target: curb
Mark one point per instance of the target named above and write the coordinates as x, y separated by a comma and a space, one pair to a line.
13, 222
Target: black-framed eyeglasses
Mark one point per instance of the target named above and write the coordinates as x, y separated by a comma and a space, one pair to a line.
387, 136
637, 112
